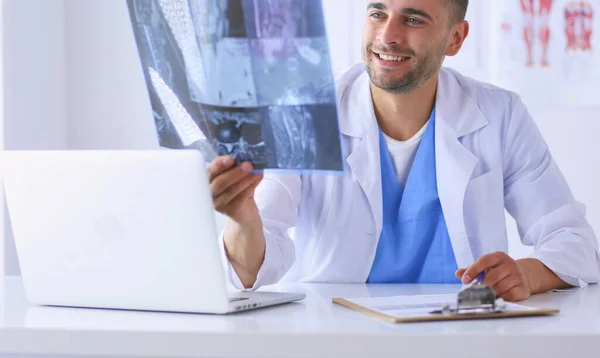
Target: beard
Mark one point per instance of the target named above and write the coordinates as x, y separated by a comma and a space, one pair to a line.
424, 67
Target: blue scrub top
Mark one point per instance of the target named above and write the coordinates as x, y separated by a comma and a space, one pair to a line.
414, 246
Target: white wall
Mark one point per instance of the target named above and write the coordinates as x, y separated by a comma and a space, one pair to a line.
2, 208
34, 82
340, 17
34, 74
108, 106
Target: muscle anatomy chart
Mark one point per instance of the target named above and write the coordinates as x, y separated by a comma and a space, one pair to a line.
579, 26
537, 15
547, 50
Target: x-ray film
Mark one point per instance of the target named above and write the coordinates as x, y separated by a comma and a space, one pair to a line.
247, 78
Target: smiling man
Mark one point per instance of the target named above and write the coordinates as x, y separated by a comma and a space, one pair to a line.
433, 160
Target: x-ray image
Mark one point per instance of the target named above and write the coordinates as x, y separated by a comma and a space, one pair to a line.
218, 19
238, 132
303, 67
229, 73
247, 78
300, 136
181, 24
284, 18
170, 86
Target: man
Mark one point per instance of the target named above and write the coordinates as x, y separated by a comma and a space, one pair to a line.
432, 161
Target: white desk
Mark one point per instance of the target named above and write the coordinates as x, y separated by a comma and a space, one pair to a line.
312, 328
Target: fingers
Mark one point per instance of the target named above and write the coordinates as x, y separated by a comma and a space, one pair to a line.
502, 274
234, 191
225, 179
247, 193
518, 293
483, 263
460, 272
507, 284
219, 165
496, 275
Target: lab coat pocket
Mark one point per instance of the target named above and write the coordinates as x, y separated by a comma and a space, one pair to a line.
484, 213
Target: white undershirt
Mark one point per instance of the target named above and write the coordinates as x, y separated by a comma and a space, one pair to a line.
403, 153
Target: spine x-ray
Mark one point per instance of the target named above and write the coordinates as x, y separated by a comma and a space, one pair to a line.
247, 78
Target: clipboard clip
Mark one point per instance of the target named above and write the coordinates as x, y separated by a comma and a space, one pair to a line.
474, 299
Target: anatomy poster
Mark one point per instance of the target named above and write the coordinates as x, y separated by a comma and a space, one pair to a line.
549, 50
247, 78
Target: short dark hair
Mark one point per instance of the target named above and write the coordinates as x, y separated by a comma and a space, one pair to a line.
459, 9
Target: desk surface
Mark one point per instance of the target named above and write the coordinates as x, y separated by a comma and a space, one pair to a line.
313, 327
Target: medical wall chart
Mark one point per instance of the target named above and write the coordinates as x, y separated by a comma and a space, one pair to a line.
549, 50
247, 78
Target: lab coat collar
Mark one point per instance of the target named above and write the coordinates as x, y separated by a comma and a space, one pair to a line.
455, 104
354, 93
457, 114
360, 124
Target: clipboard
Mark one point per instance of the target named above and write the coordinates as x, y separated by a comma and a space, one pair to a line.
383, 308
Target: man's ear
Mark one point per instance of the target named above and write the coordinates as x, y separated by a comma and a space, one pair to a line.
458, 35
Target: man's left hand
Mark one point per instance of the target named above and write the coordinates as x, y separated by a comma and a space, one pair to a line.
503, 274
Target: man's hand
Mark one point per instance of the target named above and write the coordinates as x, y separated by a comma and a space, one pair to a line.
232, 189
503, 274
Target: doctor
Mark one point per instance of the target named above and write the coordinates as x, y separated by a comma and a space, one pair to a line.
432, 159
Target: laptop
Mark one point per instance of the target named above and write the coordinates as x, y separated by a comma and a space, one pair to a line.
126, 229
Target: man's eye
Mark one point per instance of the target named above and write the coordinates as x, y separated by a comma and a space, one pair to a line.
414, 21
376, 15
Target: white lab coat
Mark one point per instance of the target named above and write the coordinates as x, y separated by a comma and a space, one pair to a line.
489, 156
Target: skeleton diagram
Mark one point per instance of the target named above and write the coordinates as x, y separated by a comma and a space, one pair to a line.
579, 16
542, 13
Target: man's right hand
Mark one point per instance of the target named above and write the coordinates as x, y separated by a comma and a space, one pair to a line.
232, 189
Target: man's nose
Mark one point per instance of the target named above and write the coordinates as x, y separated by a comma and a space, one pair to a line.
392, 32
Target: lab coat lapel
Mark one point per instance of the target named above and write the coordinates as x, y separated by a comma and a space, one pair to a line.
361, 126
457, 115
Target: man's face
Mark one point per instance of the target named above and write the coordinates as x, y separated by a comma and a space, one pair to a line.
404, 42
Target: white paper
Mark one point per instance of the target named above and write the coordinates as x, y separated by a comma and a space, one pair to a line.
417, 305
